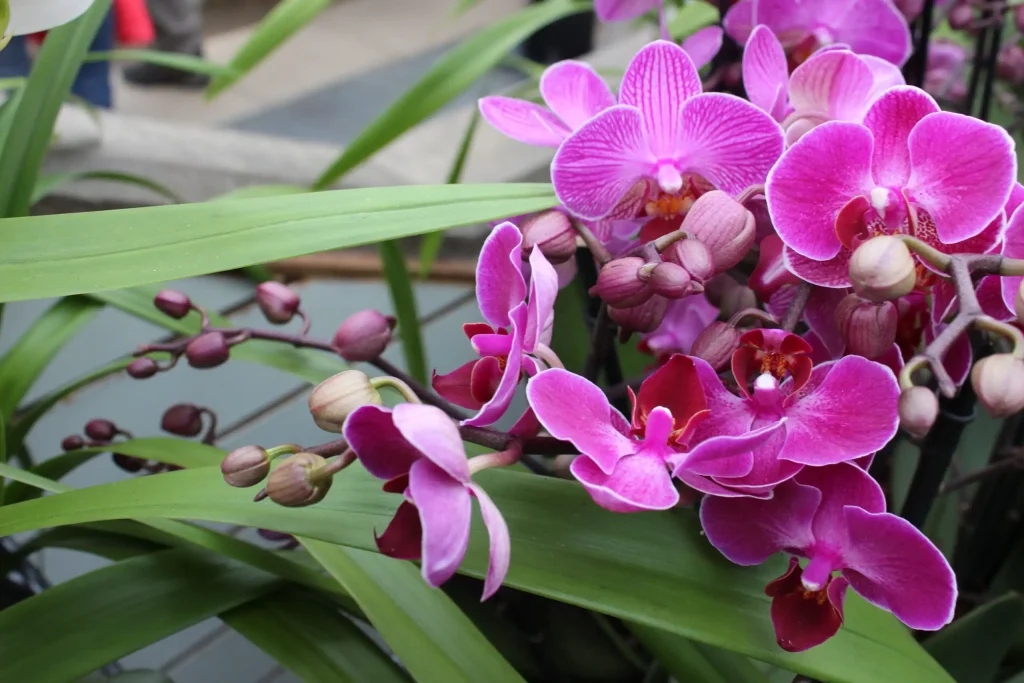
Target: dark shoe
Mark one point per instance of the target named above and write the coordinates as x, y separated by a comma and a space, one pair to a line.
147, 74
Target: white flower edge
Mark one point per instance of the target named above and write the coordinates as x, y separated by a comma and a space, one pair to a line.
32, 16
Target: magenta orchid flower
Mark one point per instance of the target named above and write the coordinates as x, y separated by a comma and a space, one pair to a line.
1013, 247
516, 331
834, 412
909, 168
684, 320
628, 466
869, 27
417, 451
666, 135
835, 517
833, 85
624, 10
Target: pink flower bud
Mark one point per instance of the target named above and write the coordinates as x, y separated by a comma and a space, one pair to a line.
910, 8
552, 233
667, 279
129, 463
869, 329
143, 368
1010, 64
642, 318
183, 419
1018, 303
737, 299
694, 256
364, 335
999, 382
172, 303
100, 430
882, 269
208, 350
294, 484
1018, 18
72, 443
619, 284
245, 466
960, 16
723, 225
334, 399
716, 344
919, 408
277, 301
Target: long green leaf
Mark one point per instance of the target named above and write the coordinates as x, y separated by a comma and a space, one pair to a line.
428, 632
972, 648
22, 365
286, 19
173, 60
91, 252
652, 569
316, 643
71, 629
48, 184
404, 301
48, 86
455, 72
695, 662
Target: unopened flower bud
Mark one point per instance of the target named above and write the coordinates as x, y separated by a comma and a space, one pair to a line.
960, 16
1018, 303
716, 344
882, 269
619, 284
208, 350
172, 303
869, 329
919, 408
718, 287
1010, 64
100, 430
72, 443
1018, 18
334, 399
182, 419
278, 302
552, 233
143, 368
363, 336
667, 279
998, 381
642, 318
910, 8
694, 256
723, 225
737, 299
245, 466
292, 484
129, 463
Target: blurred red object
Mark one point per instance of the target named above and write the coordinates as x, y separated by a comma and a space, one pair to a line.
132, 23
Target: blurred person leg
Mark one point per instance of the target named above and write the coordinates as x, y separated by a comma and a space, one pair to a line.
179, 29
93, 81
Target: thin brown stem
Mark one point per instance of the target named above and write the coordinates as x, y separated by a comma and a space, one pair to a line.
598, 250
796, 308
600, 344
1014, 461
501, 441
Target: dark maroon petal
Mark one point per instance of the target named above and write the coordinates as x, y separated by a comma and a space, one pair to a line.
485, 379
803, 618
403, 538
676, 386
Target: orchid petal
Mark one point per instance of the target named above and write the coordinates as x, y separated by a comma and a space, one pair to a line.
445, 513
639, 482
834, 84
801, 624
730, 414
675, 386
765, 72
456, 386
703, 45
739, 21
820, 314
840, 485
523, 121
1013, 247
541, 310
710, 487
492, 411
727, 456
623, 10
891, 119
485, 380
769, 469
873, 27
435, 435
403, 539
501, 544
886, 75
575, 92
500, 286
833, 273
377, 442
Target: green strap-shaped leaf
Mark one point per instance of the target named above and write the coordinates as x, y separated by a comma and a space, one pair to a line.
22, 365
404, 301
653, 569
696, 662
48, 184
173, 60
77, 626
428, 632
452, 74
972, 648
91, 252
312, 640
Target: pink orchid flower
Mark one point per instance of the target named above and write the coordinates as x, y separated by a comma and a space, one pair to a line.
515, 332
624, 10
417, 451
833, 85
628, 466
869, 27
909, 168
684, 320
573, 92
834, 516
1013, 247
834, 412
665, 138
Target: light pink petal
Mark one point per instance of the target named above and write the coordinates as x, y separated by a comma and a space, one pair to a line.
834, 85
523, 121
840, 485
574, 409
820, 314
575, 92
500, 286
833, 273
639, 482
873, 27
765, 72
886, 74
813, 181
456, 386
445, 513
892, 565
492, 344
658, 81
703, 45
435, 435
963, 172
727, 140
623, 10
748, 531
1015, 200
403, 539
792, 19
372, 434
851, 413
1013, 247
891, 119
739, 21
492, 411
541, 310
598, 164
501, 545
728, 456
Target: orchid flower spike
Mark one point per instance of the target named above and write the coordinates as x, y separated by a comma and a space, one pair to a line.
627, 466
417, 451
835, 517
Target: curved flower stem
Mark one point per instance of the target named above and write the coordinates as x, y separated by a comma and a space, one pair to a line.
425, 395
757, 313
796, 309
326, 450
1011, 266
598, 250
333, 467
211, 431
926, 252
550, 358
506, 458
600, 344
1013, 461
750, 193
500, 441
398, 385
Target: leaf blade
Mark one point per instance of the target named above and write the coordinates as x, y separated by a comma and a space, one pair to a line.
404, 301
